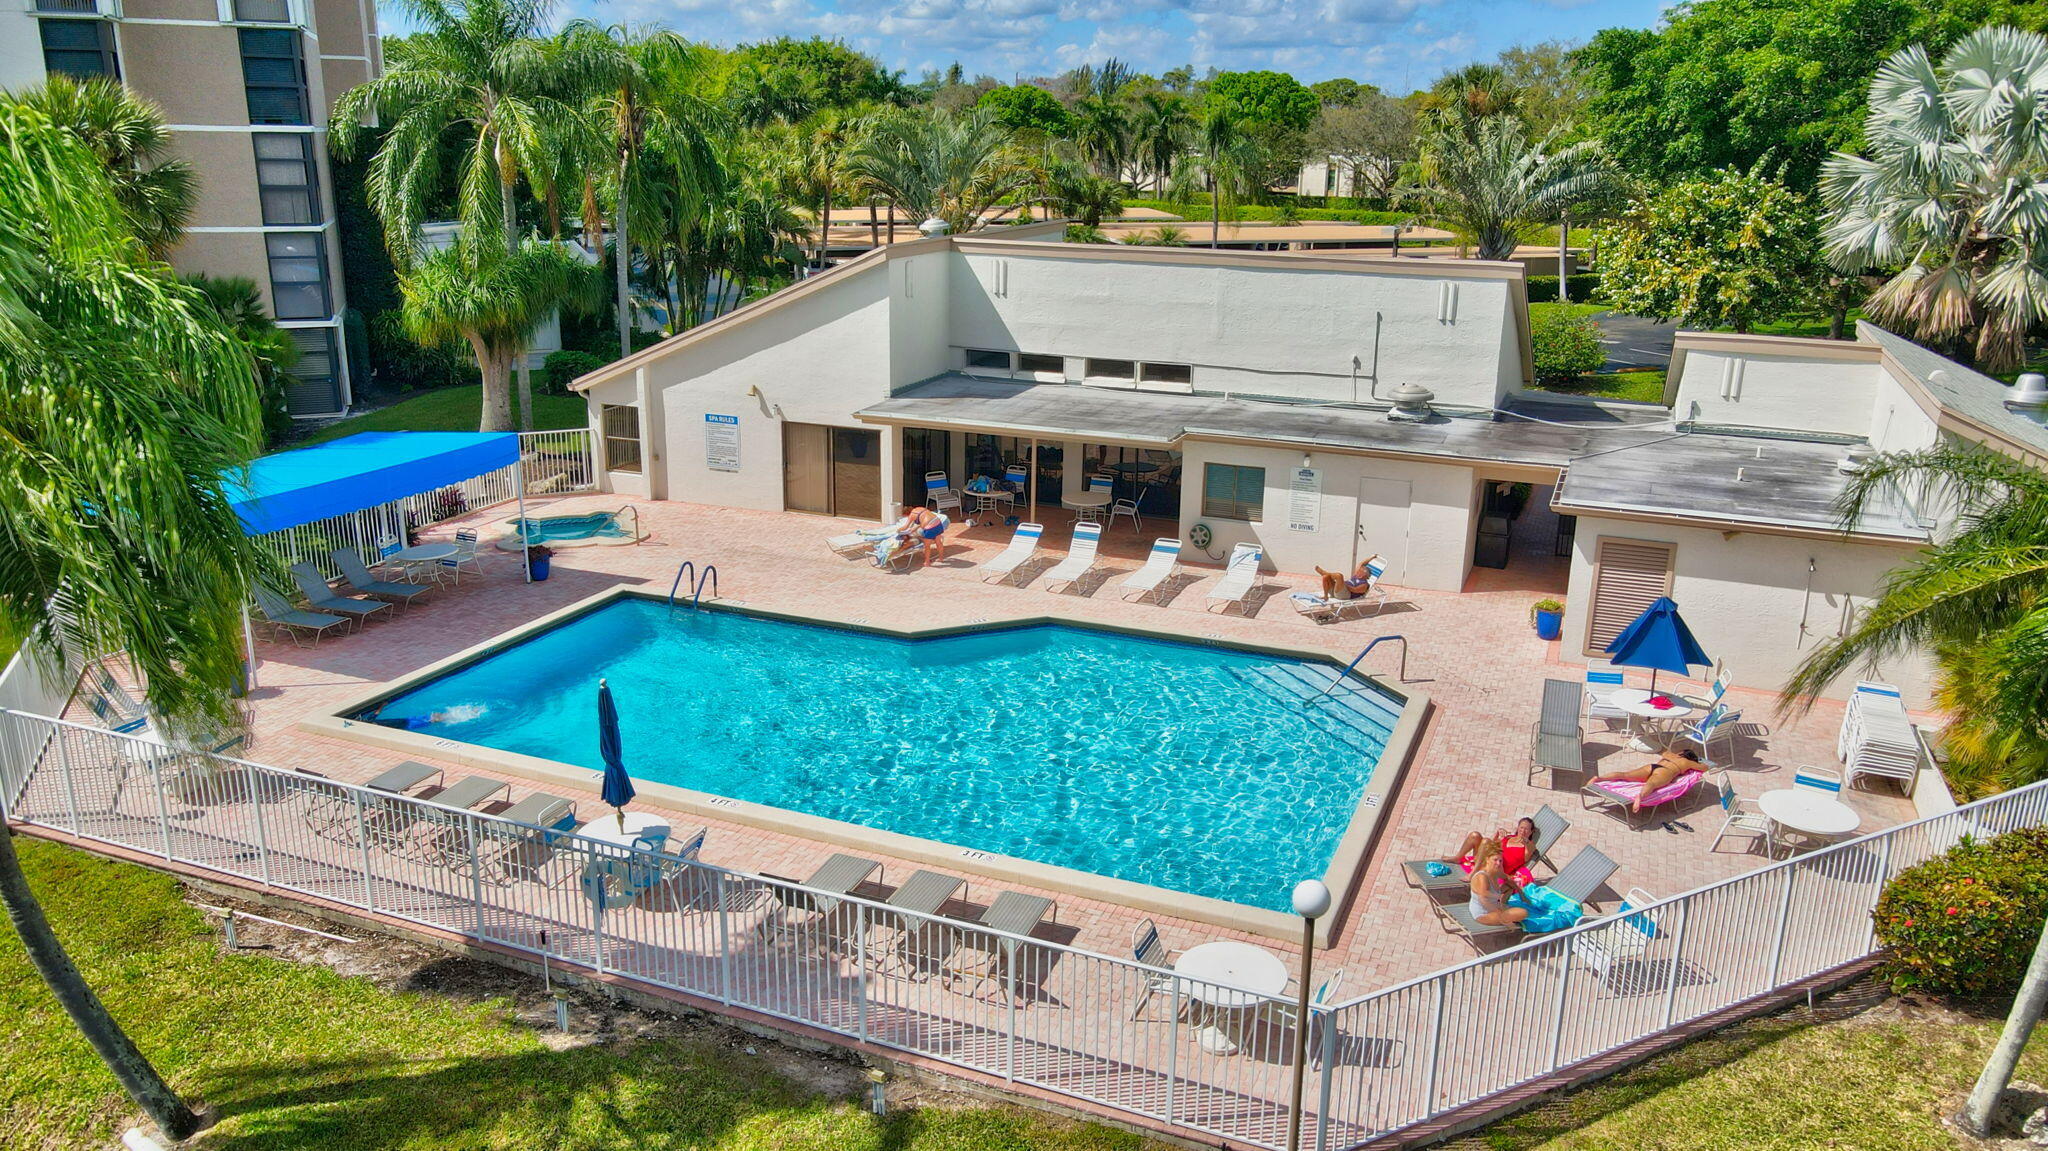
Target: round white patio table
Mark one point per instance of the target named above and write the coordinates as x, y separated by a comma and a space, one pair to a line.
1810, 811
1086, 499
421, 555
1636, 702
1231, 976
605, 828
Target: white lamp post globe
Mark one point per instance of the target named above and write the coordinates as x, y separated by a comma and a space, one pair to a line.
1311, 899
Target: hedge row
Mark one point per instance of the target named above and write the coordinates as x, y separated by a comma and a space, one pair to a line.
1543, 289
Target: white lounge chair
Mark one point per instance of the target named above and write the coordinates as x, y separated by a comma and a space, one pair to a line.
1080, 556
886, 555
1159, 567
1023, 546
1238, 577
1323, 609
857, 544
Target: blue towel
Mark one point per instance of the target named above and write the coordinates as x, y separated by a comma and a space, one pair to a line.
1437, 869
1548, 911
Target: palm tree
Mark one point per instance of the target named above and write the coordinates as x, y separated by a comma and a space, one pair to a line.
238, 303
1102, 127
481, 72
645, 96
493, 300
1160, 133
127, 132
1978, 601
1079, 194
815, 165
954, 168
1950, 194
123, 403
1485, 179
1231, 161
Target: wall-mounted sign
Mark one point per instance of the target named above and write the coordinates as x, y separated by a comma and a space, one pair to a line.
1305, 501
722, 443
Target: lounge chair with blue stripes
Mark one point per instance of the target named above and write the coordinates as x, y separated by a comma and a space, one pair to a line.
1157, 574
1238, 577
1324, 609
1080, 556
1023, 546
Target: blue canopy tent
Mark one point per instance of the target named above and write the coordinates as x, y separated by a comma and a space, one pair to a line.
1659, 640
364, 471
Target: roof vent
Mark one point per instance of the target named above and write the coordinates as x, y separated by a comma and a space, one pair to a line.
1855, 458
2029, 394
1411, 403
934, 227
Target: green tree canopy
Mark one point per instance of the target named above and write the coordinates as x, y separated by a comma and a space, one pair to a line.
1264, 98
1725, 250
1340, 92
804, 76
1731, 83
1028, 108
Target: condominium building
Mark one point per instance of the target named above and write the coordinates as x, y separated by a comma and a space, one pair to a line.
246, 86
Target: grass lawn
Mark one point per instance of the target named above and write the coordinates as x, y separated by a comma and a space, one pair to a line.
1646, 385
1870, 1082
294, 1055
449, 410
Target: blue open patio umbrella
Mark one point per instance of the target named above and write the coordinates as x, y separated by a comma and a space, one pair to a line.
618, 786
1659, 640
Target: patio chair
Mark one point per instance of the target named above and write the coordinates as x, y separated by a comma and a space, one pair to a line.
1742, 817
112, 703
1549, 827
1324, 609
1023, 546
1127, 508
1718, 723
1238, 577
1080, 556
465, 557
857, 545
1600, 687
1286, 1015
1576, 881
1160, 567
359, 579
387, 547
1616, 795
1818, 779
1017, 479
1623, 937
280, 614
1148, 949
320, 597
939, 494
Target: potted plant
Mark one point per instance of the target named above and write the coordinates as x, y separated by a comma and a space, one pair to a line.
537, 557
1548, 615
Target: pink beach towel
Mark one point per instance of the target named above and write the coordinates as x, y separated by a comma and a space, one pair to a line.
1625, 789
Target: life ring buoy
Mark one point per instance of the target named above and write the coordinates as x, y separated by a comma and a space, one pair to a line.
1201, 536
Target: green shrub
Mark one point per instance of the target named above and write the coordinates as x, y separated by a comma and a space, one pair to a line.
1543, 289
1566, 346
562, 368
1966, 922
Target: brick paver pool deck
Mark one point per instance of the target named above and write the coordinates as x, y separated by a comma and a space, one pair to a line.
1473, 652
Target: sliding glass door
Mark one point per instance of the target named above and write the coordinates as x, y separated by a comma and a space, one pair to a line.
832, 471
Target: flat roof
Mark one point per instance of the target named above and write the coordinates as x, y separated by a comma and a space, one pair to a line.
1161, 419
1731, 478
1616, 460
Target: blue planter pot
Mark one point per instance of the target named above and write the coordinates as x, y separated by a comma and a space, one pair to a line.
1549, 624
539, 567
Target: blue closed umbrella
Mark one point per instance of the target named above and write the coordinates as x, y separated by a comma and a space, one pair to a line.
1659, 640
618, 786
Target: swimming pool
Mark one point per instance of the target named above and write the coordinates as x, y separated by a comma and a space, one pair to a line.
1189, 767
591, 529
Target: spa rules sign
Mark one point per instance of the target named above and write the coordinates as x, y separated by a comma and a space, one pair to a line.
1305, 501
722, 443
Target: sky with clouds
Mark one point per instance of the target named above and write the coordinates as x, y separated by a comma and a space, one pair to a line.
1397, 44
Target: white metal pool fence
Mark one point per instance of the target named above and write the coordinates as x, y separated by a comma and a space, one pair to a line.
1027, 1010
553, 463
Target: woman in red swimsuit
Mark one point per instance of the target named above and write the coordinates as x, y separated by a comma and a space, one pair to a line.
1517, 850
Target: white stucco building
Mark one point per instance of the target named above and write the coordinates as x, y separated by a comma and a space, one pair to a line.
1251, 393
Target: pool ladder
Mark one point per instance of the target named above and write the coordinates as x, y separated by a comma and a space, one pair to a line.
1361, 656
689, 568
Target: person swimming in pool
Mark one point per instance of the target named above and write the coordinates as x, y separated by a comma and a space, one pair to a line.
1339, 586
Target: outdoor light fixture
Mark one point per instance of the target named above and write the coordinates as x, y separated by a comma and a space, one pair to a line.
1311, 902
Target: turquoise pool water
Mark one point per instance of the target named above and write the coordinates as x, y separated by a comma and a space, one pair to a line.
1193, 768
555, 529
